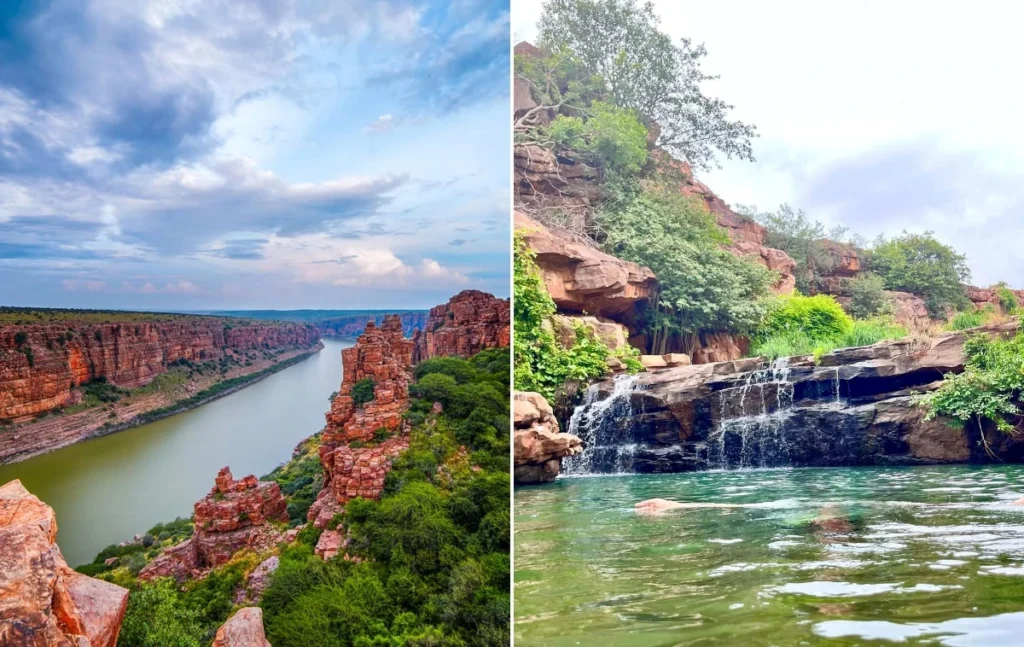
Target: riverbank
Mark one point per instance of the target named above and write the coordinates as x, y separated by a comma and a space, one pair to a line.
150, 403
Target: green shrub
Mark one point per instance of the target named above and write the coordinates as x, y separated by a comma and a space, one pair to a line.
868, 297
920, 264
1007, 298
971, 318
819, 317
362, 391
157, 617
20, 338
790, 343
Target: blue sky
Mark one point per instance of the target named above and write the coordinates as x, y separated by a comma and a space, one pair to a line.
270, 154
880, 116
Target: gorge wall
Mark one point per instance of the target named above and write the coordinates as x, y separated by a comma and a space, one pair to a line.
470, 322
41, 364
351, 326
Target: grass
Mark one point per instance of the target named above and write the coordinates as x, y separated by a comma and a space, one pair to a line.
972, 318
864, 333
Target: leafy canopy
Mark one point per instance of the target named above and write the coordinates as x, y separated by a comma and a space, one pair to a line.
644, 70
919, 263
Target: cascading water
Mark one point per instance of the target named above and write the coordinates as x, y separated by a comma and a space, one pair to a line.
604, 426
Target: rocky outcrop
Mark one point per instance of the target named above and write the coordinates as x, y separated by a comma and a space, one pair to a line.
40, 364
235, 515
982, 297
538, 445
244, 629
43, 603
855, 407
583, 279
470, 322
361, 439
351, 326
909, 310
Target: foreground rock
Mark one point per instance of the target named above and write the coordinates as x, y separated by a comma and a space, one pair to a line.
43, 602
244, 629
360, 440
235, 515
538, 446
470, 322
856, 407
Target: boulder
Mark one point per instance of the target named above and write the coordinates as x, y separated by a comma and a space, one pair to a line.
43, 602
538, 446
244, 629
329, 544
613, 334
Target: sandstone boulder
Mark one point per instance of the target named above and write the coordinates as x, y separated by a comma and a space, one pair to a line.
244, 629
538, 446
43, 602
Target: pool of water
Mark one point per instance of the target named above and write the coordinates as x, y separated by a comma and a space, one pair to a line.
858, 556
107, 489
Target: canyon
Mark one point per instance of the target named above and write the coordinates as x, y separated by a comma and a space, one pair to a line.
468, 323
53, 368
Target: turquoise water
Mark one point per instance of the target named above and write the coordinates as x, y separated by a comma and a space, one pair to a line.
107, 489
858, 556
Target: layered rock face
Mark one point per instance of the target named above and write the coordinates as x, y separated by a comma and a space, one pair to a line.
538, 445
470, 322
982, 297
856, 407
41, 363
43, 602
233, 516
581, 278
384, 356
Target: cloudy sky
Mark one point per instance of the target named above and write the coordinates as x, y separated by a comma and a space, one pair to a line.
276, 153
880, 116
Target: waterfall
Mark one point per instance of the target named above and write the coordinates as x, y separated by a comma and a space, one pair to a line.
604, 426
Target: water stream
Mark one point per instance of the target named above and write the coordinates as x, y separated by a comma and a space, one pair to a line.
837, 556
107, 489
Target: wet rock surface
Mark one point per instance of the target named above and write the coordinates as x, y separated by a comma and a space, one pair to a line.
855, 407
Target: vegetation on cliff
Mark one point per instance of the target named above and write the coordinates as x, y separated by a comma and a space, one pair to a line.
920, 264
431, 556
988, 389
542, 362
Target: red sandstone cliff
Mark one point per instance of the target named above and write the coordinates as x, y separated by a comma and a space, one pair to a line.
233, 516
43, 603
41, 363
470, 322
383, 355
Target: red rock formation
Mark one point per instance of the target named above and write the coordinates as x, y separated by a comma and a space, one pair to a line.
233, 516
982, 297
538, 445
41, 363
582, 278
43, 603
470, 322
244, 629
385, 356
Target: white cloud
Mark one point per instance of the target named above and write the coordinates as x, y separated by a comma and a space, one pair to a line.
381, 124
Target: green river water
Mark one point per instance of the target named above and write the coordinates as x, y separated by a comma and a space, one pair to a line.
107, 489
917, 555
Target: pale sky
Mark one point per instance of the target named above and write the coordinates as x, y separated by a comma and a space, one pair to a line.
203, 154
880, 116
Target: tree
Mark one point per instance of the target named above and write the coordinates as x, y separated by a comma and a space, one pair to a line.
868, 297
642, 69
703, 287
920, 264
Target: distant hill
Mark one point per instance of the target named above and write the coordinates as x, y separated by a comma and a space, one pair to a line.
344, 324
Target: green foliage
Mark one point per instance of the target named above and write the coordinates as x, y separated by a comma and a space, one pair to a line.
989, 388
797, 342
1007, 299
920, 264
301, 479
156, 617
970, 319
610, 138
435, 546
362, 391
644, 70
868, 297
20, 338
703, 287
542, 363
819, 317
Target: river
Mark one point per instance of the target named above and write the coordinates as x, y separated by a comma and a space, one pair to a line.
918, 555
107, 489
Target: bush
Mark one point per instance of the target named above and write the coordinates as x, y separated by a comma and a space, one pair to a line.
362, 391
970, 319
868, 297
920, 264
1007, 299
820, 318
798, 342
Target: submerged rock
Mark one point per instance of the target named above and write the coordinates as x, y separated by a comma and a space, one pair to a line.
43, 602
